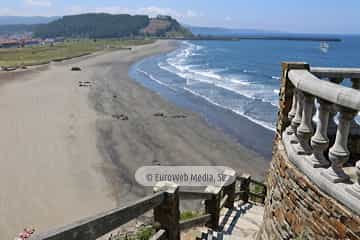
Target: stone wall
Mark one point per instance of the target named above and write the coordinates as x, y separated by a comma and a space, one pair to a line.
297, 209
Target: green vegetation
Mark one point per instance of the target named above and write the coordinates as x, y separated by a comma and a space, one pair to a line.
16, 28
187, 215
17, 57
258, 189
101, 25
93, 25
145, 233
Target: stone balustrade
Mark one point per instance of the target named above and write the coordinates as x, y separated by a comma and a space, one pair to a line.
310, 100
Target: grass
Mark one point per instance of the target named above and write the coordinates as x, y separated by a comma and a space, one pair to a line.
27, 56
145, 233
257, 189
187, 215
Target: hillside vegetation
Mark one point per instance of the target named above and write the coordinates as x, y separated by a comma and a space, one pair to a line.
18, 57
93, 26
16, 28
101, 25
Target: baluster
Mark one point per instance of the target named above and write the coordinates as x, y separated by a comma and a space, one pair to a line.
355, 189
320, 141
339, 153
355, 83
292, 113
305, 130
355, 128
332, 124
295, 123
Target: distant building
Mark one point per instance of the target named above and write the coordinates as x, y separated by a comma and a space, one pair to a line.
32, 42
59, 39
49, 41
7, 43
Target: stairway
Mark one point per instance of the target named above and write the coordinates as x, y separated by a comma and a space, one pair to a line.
240, 223
211, 235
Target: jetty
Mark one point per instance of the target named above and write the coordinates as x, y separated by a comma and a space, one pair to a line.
239, 38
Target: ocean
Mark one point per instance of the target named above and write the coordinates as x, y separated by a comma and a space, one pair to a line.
239, 77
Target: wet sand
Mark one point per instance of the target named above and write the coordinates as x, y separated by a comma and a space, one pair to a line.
70, 150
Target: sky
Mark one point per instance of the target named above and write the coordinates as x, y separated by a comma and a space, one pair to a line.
299, 16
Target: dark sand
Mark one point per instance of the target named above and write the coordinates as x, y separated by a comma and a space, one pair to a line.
145, 139
64, 157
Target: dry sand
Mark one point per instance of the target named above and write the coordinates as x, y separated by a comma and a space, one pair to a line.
65, 155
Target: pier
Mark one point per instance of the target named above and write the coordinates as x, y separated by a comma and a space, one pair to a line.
239, 38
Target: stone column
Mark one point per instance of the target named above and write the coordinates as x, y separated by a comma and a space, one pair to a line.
286, 94
296, 121
292, 112
320, 141
332, 126
355, 128
339, 153
305, 130
168, 213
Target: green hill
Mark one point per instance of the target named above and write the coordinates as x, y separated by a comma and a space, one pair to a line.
93, 25
16, 28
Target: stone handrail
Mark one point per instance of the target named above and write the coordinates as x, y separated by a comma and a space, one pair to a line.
307, 109
322, 72
305, 81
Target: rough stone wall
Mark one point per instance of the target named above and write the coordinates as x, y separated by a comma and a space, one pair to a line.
297, 209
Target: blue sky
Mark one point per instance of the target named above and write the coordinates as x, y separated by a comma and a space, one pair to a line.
305, 16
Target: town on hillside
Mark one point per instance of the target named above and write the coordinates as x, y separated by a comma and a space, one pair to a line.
44, 34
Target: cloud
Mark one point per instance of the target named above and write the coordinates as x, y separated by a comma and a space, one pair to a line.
150, 10
75, 10
112, 10
39, 3
154, 11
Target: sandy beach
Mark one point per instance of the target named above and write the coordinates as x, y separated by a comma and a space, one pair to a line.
72, 141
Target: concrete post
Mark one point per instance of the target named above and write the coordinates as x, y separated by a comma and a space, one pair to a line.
305, 130
332, 126
296, 121
168, 213
320, 141
245, 187
339, 153
229, 189
212, 206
